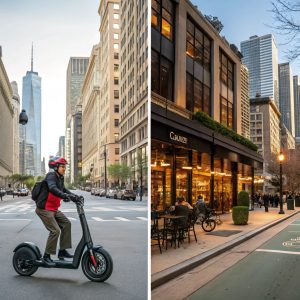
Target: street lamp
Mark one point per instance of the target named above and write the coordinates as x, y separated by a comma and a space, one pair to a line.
105, 155
23, 119
281, 159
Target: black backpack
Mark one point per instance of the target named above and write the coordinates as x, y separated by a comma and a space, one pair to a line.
39, 191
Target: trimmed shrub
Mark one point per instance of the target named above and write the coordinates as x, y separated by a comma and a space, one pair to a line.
243, 199
240, 215
209, 122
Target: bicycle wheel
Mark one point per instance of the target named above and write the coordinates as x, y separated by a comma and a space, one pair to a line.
208, 225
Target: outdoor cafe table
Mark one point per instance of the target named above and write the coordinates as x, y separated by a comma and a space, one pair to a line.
175, 220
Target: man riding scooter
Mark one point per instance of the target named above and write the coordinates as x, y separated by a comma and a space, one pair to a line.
48, 210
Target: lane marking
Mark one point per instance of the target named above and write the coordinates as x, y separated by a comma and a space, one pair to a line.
15, 219
122, 219
142, 218
101, 220
278, 251
72, 219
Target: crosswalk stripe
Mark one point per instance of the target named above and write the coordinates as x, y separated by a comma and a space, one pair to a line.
101, 220
5, 207
72, 219
122, 219
142, 218
15, 219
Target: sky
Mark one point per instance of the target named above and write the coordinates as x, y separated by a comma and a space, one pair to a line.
244, 18
58, 30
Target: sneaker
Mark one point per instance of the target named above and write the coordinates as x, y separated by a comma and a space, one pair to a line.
64, 254
47, 260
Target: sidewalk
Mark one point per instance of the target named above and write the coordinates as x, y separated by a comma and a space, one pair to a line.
173, 262
10, 197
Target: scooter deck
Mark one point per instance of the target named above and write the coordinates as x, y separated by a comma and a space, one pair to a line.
63, 264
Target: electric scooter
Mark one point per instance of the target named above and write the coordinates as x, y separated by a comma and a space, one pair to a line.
96, 263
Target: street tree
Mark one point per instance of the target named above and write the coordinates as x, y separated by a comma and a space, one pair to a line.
125, 173
286, 16
114, 170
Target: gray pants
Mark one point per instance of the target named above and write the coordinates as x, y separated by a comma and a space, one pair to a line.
57, 224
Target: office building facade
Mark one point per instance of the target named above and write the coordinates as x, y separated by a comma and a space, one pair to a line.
245, 97
296, 86
134, 89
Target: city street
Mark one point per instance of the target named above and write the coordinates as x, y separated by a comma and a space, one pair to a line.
270, 272
120, 226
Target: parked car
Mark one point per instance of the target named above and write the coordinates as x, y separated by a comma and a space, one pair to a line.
97, 192
93, 191
126, 195
102, 193
112, 194
87, 189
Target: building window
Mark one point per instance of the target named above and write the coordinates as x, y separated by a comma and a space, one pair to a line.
116, 6
116, 67
198, 81
116, 80
116, 36
116, 55
116, 46
162, 76
116, 122
117, 151
162, 18
116, 26
116, 16
226, 90
198, 45
116, 94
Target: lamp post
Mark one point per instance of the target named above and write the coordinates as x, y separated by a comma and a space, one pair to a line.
105, 156
23, 119
281, 159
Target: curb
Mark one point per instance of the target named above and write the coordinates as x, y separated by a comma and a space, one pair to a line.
164, 276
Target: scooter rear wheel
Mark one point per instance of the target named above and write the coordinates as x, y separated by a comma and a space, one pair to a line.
22, 261
104, 265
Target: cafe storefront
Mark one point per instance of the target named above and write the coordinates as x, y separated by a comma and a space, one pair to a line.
189, 159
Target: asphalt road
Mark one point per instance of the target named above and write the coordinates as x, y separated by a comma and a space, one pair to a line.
119, 226
270, 272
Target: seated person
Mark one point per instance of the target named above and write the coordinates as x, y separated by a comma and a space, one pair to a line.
181, 201
201, 206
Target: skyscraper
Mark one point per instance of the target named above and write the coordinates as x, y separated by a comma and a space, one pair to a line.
286, 96
61, 146
260, 55
296, 82
75, 75
31, 102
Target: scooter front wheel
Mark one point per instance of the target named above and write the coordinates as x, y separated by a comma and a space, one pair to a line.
104, 265
23, 261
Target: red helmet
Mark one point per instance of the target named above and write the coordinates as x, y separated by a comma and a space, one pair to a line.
56, 161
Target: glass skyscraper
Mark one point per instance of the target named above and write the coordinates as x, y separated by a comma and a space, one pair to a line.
260, 55
31, 102
286, 97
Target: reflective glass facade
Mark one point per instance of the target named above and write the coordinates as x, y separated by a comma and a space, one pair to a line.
31, 102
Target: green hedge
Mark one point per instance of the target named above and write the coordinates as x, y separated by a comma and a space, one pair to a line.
240, 215
212, 124
243, 199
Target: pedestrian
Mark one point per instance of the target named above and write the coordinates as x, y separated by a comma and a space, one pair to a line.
48, 204
266, 202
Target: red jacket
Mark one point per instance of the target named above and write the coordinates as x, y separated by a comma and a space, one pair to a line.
56, 192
